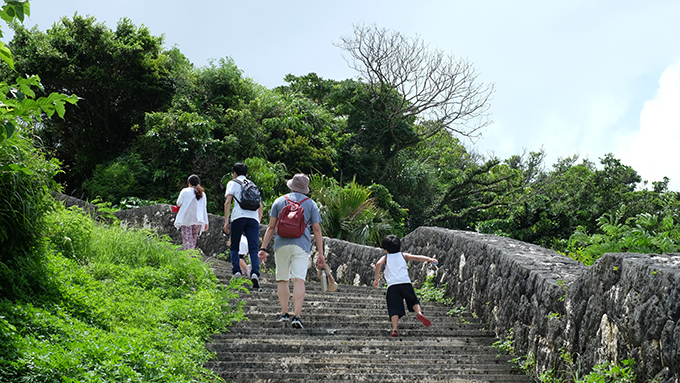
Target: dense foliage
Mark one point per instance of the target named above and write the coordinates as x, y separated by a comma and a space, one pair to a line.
114, 305
120, 75
657, 232
361, 137
26, 176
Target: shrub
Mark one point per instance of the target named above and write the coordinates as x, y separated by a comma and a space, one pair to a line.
644, 233
69, 231
126, 176
349, 212
25, 180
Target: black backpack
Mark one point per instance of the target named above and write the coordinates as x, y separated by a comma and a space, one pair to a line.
250, 195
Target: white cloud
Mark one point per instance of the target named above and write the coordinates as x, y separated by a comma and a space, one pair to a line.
653, 150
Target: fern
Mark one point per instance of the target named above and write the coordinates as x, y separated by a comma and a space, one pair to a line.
645, 233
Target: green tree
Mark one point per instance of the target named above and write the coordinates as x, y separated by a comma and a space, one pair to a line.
269, 178
120, 75
128, 175
311, 86
298, 132
372, 139
570, 195
212, 89
359, 150
479, 188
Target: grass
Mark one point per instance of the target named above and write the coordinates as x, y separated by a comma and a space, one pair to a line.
116, 305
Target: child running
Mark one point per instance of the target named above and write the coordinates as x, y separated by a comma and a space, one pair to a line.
399, 287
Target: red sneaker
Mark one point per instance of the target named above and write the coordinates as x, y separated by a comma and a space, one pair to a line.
394, 334
424, 320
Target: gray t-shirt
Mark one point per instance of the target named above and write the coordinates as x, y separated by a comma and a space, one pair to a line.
312, 216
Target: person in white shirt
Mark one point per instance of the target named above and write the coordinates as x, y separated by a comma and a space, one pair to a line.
192, 218
242, 222
242, 253
399, 287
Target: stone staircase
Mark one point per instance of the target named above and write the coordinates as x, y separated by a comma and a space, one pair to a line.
347, 338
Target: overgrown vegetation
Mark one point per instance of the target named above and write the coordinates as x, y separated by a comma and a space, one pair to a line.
115, 304
609, 372
429, 292
657, 232
85, 302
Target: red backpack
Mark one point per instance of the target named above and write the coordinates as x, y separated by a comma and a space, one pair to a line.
291, 222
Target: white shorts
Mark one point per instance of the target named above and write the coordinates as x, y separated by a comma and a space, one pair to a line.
291, 262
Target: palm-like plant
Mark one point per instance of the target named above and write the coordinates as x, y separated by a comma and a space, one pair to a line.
349, 212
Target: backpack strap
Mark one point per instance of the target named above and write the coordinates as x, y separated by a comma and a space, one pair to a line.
242, 183
299, 202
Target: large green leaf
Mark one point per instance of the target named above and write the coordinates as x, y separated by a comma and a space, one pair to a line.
6, 55
9, 129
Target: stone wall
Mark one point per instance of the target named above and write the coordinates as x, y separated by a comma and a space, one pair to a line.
624, 306
161, 219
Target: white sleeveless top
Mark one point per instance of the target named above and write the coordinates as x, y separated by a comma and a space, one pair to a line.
396, 270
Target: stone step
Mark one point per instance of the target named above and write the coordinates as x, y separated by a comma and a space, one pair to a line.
431, 375
267, 283
322, 308
331, 318
301, 363
347, 338
250, 331
401, 345
465, 357
323, 296
312, 303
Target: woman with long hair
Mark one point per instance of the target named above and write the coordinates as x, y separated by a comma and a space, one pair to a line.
192, 218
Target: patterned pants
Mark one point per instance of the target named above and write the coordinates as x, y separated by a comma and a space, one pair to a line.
189, 236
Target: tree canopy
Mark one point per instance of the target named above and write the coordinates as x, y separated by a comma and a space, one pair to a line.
387, 144
119, 76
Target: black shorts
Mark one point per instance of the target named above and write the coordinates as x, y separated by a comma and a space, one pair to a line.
396, 295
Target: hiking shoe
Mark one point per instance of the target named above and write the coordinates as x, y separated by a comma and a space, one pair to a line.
296, 322
394, 334
424, 320
284, 318
256, 280
237, 275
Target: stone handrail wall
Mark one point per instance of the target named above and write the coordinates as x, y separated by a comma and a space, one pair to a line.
624, 306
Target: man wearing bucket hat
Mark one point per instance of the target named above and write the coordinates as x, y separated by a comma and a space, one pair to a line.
290, 253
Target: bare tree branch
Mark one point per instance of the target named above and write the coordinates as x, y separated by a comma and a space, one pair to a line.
435, 87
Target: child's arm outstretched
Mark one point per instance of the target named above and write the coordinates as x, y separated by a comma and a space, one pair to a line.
378, 267
421, 258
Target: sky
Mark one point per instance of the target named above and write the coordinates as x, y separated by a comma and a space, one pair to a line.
574, 77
